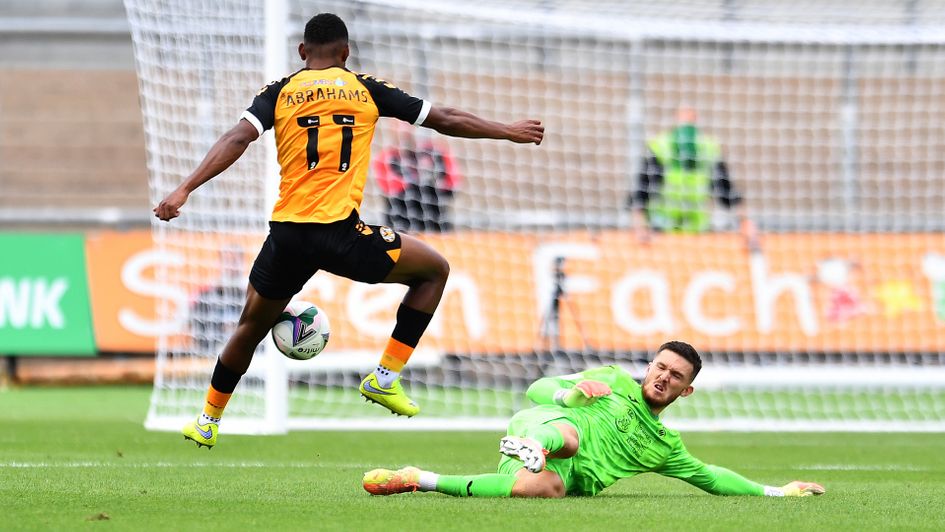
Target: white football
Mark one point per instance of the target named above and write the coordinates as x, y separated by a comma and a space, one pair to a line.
302, 330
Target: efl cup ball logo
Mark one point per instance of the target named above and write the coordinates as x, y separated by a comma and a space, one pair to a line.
302, 331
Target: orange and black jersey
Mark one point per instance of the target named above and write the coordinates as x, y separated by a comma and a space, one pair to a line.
324, 123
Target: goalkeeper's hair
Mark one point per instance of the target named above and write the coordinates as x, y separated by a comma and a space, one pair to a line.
686, 351
325, 28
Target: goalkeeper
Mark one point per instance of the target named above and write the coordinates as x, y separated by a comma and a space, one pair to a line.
588, 431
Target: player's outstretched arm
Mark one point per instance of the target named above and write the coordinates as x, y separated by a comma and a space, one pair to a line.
221, 156
721, 481
456, 123
564, 392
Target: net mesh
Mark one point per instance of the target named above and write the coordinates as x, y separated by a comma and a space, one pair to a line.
825, 114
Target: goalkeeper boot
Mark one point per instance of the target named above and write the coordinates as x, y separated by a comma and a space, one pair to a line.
387, 482
393, 398
529, 451
802, 489
202, 435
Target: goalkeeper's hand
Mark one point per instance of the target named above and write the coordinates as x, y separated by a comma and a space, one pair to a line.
584, 393
802, 489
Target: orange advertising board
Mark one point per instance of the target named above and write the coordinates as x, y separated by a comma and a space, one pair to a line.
112, 258
802, 292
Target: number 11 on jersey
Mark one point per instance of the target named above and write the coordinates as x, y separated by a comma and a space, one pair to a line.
313, 123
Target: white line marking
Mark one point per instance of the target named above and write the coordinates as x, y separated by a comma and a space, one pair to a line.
145, 465
850, 467
353, 465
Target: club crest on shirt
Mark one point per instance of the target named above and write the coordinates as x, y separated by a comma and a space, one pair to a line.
625, 423
387, 234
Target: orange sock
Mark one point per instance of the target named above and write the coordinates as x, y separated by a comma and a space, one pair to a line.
395, 357
216, 402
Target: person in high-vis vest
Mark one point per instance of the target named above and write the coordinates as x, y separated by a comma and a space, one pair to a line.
682, 171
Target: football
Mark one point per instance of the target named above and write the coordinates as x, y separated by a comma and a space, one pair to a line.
302, 331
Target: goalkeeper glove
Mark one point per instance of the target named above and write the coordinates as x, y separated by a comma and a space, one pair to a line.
796, 489
584, 393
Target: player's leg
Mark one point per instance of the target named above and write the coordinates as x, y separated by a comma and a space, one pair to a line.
375, 254
539, 433
546, 484
274, 279
410, 479
259, 313
258, 316
512, 480
424, 271
556, 443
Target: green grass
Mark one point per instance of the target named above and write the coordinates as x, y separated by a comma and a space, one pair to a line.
80, 459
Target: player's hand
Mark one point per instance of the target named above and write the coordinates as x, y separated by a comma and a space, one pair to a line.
799, 488
526, 131
169, 208
585, 393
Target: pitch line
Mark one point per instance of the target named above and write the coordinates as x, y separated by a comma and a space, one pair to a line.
146, 465
355, 465
851, 467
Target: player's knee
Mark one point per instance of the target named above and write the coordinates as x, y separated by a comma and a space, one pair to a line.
440, 268
554, 491
544, 485
545, 490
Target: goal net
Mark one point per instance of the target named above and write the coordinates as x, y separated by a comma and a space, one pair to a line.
826, 117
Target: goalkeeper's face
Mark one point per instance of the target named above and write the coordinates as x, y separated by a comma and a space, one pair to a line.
669, 376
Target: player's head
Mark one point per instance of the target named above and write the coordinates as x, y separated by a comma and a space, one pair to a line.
326, 37
670, 374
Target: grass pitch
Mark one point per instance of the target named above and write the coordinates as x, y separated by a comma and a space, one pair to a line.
78, 458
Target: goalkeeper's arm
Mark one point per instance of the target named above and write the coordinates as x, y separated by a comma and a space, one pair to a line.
721, 481
564, 391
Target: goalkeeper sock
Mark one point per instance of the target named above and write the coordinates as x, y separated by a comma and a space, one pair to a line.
491, 485
222, 384
411, 323
548, 436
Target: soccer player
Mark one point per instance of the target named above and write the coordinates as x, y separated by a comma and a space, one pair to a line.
324, 117
588, 431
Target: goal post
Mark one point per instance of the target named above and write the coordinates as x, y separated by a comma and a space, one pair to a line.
826, 116
276, 375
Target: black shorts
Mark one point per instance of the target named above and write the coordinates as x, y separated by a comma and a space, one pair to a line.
293, 252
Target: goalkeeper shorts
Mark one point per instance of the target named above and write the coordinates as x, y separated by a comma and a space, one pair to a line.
293, 252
